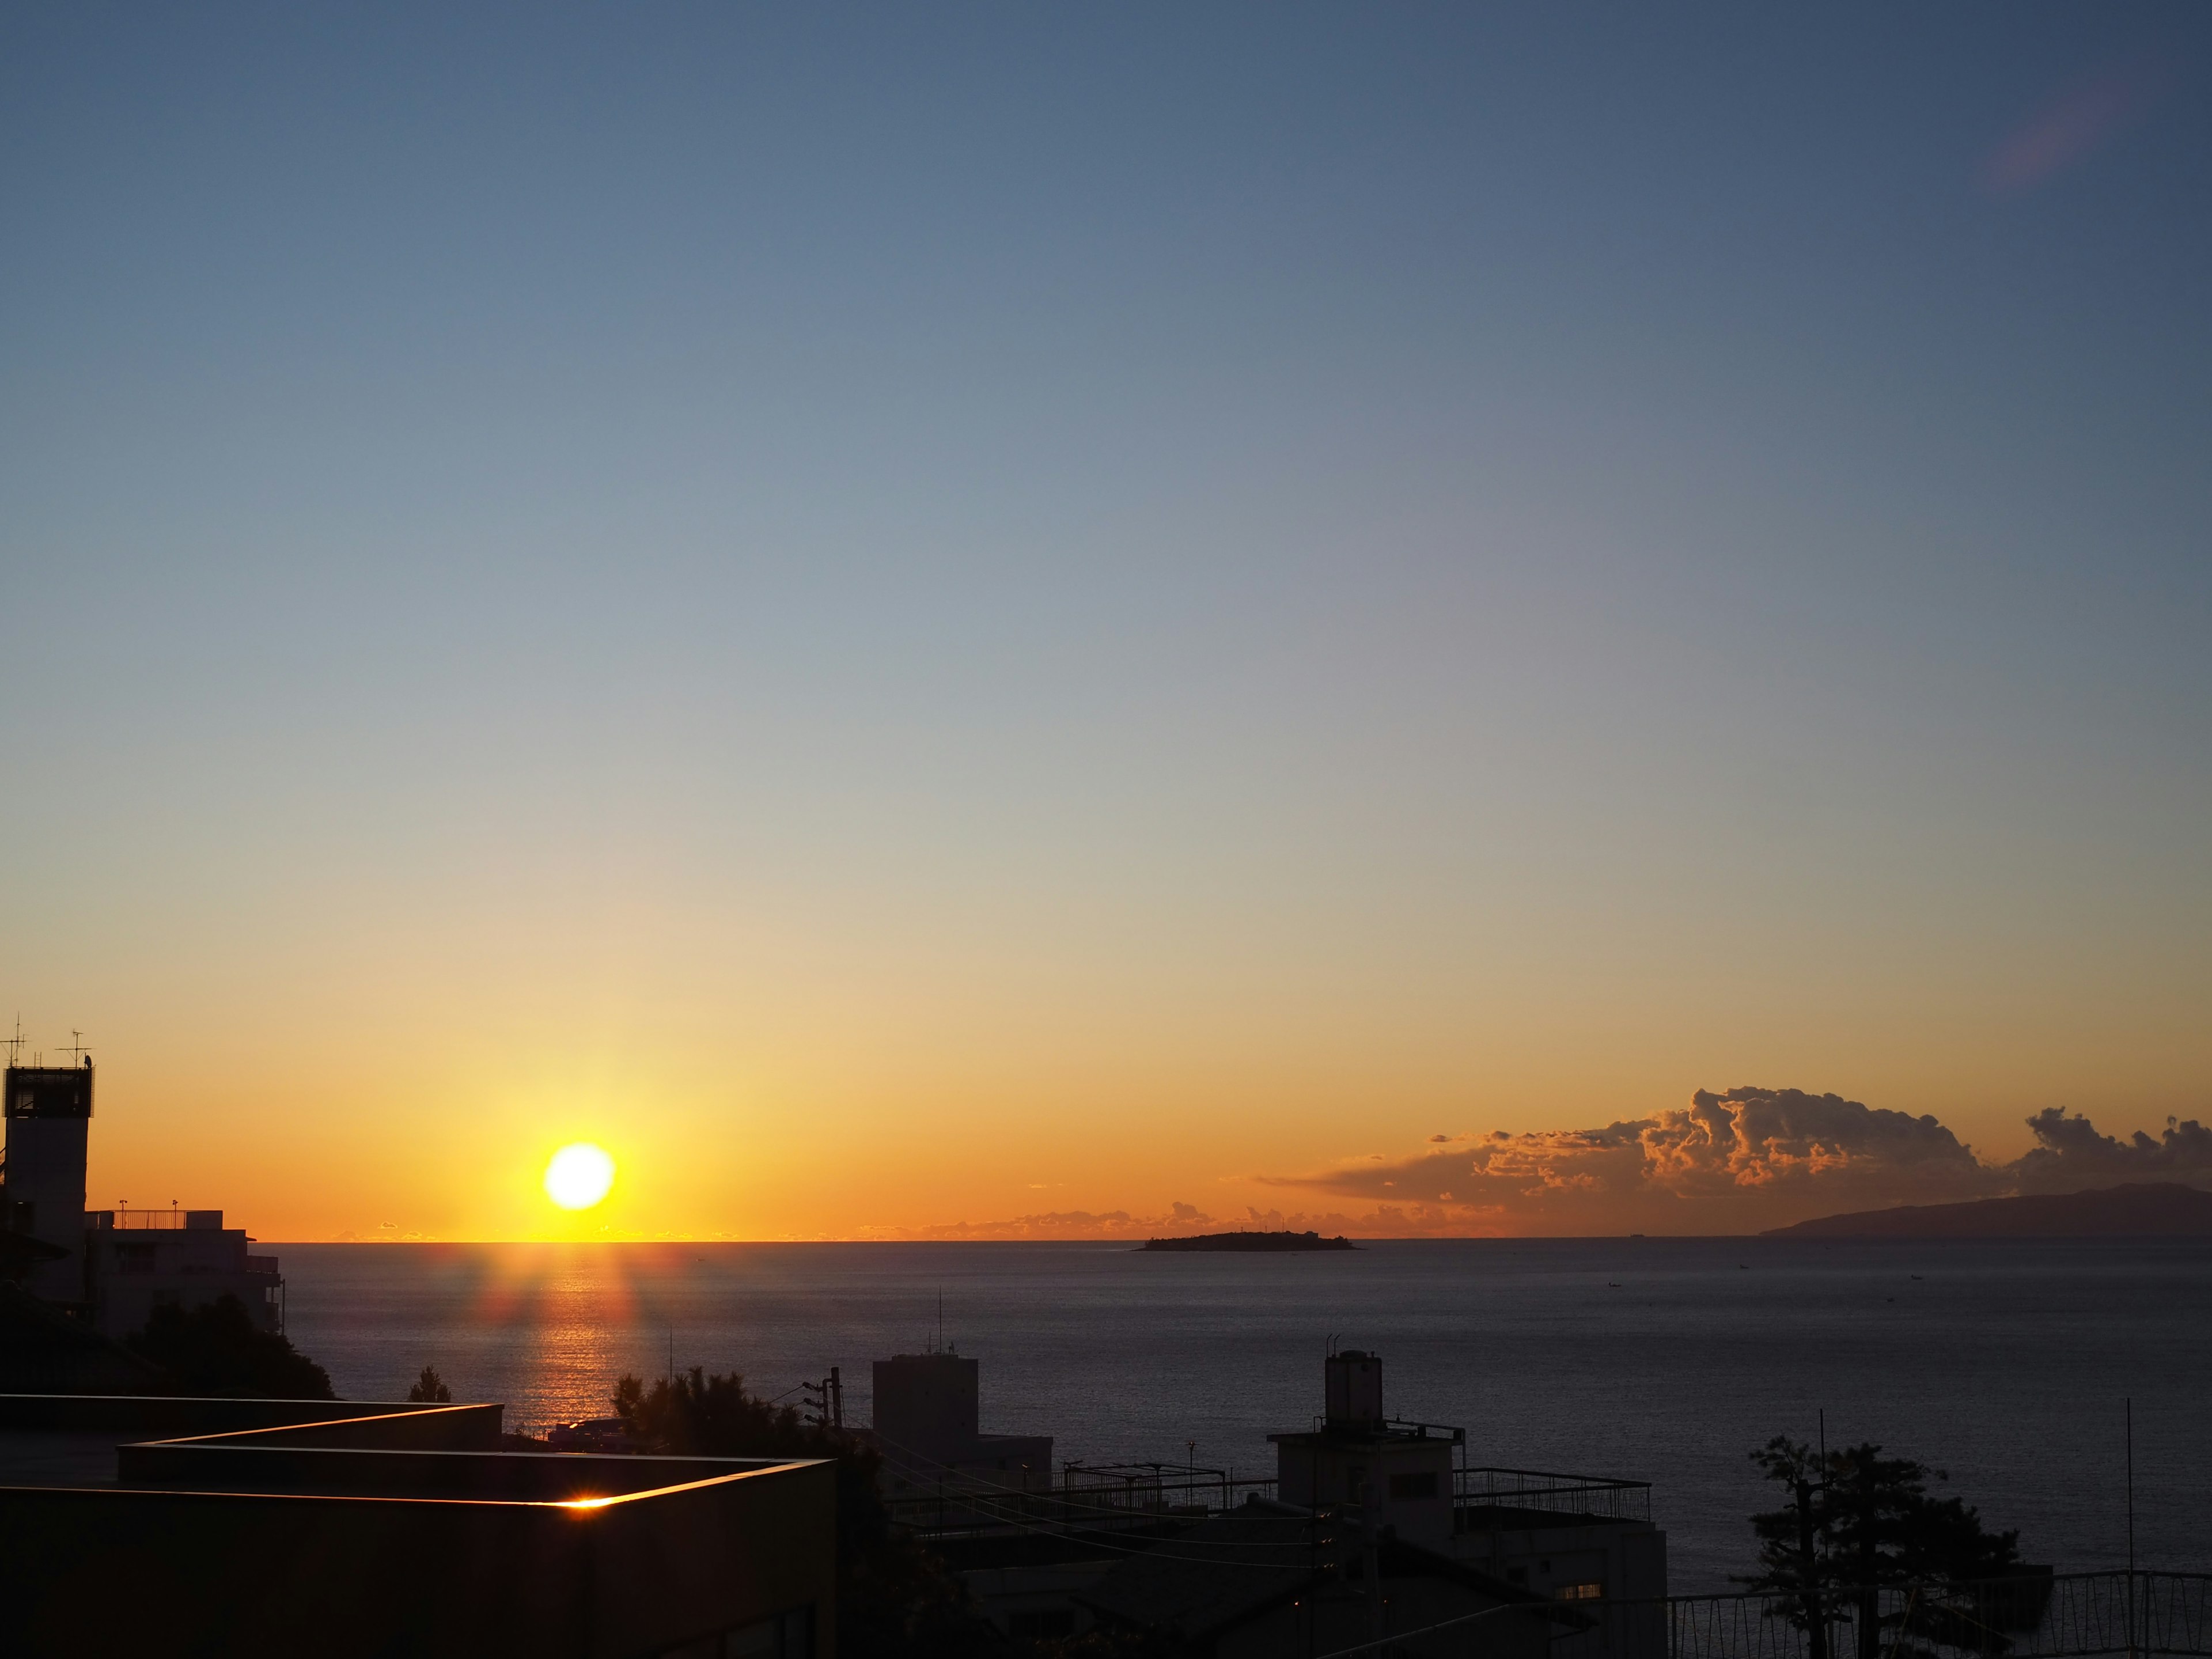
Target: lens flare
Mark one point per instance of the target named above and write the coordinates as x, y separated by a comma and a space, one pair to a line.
579, 1175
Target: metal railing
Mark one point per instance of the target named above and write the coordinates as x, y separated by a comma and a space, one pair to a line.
1109, 1495
2090, 1616
1554, 1494
2027, 1616
1089, 1498
1155, 1488
157, 1220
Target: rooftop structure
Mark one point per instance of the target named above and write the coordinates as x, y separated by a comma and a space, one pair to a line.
137, 1261
1266, 1579
254, 1527
49, 1117
110, 1268
1399, 1475
926, 1417
1372, 1526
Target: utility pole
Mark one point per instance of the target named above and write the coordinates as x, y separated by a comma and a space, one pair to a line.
1371, 1561
825, 1400
2127, 1406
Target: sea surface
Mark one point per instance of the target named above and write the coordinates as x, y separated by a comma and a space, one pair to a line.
2006, 1363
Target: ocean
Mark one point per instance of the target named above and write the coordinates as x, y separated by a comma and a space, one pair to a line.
2004, 1363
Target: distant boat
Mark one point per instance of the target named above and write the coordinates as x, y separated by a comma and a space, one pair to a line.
1251, 1243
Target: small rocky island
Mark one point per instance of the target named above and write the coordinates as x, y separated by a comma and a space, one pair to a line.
1247, 1243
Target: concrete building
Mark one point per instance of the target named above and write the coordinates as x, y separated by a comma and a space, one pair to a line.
925, 1422
110, 1267
255, 1526
49, 1118
1570, 1539
137, 1261
1372, 1526
1266, 1579
1397, 1474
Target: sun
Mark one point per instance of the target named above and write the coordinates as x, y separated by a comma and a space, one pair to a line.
579, 1175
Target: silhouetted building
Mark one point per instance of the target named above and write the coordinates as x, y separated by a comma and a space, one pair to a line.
49, 1117
258, 1526
1372, 1527
110, 1267
926, 1424
1266, 1579
1399, 1475
137, 1261
44, 1350
1567, 1538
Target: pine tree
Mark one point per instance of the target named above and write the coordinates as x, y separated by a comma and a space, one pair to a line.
1793, 1540
1857, 1523
429, 1388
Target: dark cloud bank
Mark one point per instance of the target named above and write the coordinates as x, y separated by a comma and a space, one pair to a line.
1741, 1161
1732, 1162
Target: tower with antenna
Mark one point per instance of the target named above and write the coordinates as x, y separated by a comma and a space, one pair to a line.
49, 1117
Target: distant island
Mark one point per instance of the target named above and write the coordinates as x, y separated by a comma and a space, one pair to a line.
2161, 1209
1251, 1242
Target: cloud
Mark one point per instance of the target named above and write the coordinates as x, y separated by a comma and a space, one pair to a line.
1733, 1162
1737, 1162
1383, 1221
2072, 1155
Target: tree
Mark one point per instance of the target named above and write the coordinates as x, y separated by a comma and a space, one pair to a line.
216, 1349
1793, 1551
429, 1388
1856, 1524
893, 1597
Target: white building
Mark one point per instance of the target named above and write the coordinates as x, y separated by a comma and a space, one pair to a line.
137, 1261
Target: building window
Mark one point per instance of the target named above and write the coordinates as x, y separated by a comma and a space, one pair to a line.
1404, 1487
1590, 1591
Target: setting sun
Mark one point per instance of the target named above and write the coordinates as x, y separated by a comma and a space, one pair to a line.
578, 1176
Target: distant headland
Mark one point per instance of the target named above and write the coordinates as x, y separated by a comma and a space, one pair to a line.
1251, 1242
2143, 1208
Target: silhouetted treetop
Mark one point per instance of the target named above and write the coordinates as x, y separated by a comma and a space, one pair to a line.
217, 1350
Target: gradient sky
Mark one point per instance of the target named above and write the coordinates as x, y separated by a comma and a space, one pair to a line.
926, 614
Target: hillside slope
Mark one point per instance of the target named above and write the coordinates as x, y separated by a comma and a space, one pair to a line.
2161, 1208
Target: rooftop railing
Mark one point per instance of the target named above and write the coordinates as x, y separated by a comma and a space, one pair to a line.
2031, 1615
136, 1220
1552, 1494
1109, 1495
1155, 1488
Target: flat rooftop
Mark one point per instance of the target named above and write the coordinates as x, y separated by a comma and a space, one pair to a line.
234, 1525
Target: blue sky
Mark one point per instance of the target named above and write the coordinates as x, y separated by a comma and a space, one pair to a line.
1174, 593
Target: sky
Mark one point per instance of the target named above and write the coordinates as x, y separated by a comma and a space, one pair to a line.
1052, 621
